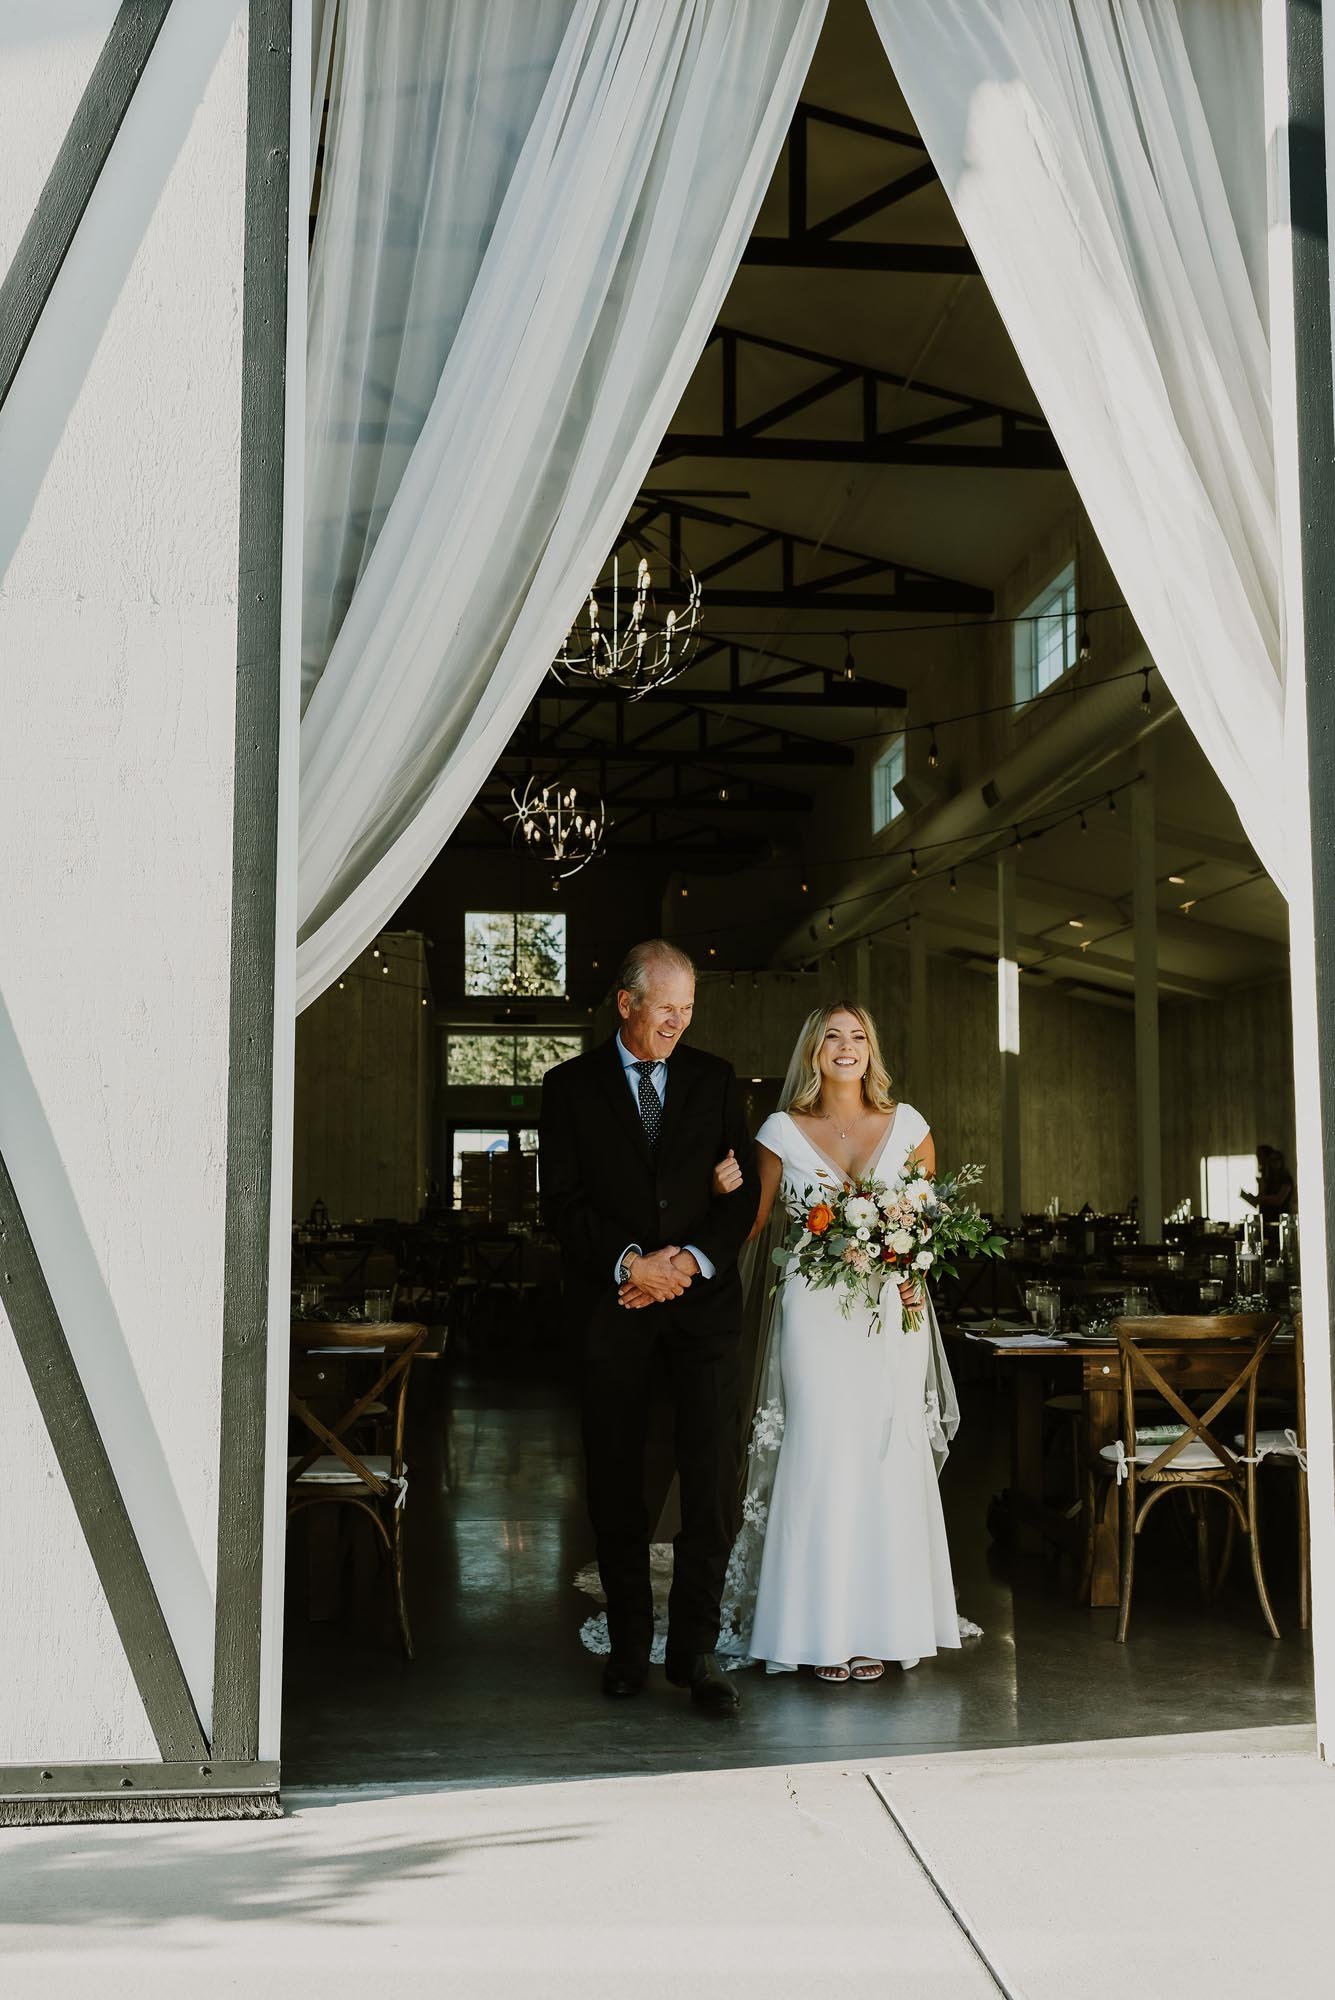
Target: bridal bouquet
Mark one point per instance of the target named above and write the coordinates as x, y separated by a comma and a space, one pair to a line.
867, 1231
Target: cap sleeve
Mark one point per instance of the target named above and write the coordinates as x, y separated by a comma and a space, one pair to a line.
912, 1128
771, 1135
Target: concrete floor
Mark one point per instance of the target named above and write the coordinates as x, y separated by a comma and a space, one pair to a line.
501, 1692
1191, 1866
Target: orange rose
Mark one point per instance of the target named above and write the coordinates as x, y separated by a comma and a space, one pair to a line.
819, 1218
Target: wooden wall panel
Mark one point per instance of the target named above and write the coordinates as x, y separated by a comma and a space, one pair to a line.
364, 1088
1227, 1068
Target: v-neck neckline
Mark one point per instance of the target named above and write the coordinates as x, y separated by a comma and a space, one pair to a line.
846, 1173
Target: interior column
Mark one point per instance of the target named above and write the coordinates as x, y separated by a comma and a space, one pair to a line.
1008, 1039
1145, 915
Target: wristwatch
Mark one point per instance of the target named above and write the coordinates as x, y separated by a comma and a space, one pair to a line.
623, 1270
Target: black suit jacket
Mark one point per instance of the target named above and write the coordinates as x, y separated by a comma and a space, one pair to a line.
602, 1186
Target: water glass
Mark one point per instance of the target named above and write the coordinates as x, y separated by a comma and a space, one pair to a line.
1136, 1303
1218, 1267
377, 1307
1212, 1293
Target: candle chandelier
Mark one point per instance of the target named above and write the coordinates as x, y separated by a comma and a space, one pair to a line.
554, 825
624, 637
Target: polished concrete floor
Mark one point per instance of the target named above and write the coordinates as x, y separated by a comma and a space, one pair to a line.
501, 1691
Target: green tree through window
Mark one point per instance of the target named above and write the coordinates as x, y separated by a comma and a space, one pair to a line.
515, 952
507, 1059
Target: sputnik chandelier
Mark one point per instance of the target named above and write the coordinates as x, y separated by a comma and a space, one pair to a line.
555, 826
619, 639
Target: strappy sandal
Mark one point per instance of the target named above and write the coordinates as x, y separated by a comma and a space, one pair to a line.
835, 1676
864, 1669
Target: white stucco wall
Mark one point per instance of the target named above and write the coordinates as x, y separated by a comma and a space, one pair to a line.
118, 551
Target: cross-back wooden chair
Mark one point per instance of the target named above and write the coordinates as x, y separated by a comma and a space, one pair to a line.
1218, 1357
335, 1470
1286, 1445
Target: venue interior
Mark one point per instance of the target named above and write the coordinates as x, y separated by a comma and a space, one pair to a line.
920, 757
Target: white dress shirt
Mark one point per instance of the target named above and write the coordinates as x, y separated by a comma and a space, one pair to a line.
658, 1078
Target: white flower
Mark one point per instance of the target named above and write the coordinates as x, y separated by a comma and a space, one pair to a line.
901, 1242
919, 1193
860, 1210
864, 1236
767, 1428
923, 1261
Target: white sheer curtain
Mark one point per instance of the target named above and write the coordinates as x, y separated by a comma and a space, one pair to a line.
529, 218
1106, 160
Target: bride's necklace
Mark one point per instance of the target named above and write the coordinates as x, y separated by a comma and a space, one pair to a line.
853, 1123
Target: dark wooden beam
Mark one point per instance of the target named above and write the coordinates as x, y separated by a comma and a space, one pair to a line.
816, 253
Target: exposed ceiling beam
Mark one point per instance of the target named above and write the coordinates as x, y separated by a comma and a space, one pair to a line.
1121, 968
818, 253
859, 694
1024, 451
858, 425
774, 569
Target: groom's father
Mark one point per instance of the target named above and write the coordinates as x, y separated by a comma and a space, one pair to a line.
630, 1136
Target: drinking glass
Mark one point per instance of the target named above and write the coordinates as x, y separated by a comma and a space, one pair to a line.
1218, 1267
377, 1307
1212, 1293
1288, 1248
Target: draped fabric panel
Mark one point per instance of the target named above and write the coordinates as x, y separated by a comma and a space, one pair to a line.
1106, 160
524, 240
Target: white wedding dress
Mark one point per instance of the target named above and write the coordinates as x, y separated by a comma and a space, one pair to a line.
852, 1551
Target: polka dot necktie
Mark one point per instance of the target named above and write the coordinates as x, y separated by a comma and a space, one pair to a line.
651, 1110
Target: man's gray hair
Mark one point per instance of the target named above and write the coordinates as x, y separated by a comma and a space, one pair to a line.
643, 960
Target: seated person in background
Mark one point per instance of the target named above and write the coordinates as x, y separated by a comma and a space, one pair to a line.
1274, 1183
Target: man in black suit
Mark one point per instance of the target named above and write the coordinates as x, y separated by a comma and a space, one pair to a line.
631, 1133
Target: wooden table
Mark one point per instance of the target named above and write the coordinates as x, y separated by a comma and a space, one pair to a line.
1205, 1366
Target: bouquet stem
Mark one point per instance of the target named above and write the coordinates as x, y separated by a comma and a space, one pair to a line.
913, 1318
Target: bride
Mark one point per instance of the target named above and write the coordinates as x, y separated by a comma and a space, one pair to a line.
842, 1562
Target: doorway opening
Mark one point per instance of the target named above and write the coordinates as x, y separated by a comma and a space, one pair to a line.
905, 660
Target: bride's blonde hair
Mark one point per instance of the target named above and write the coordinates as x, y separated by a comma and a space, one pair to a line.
876, 1090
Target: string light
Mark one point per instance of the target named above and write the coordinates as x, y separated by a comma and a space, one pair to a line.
850, 666
1086, 651
684, 890
913, 861
804, 889
829, 921
933, 754
723, 795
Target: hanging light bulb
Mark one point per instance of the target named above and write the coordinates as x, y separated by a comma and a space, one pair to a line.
1084, 824
1145, 690
723, 795
1019, 844
829, 921
1112, 802
913, 861
1086, 652
804, 889
850, 666
933, 754
954, 885
684, 890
